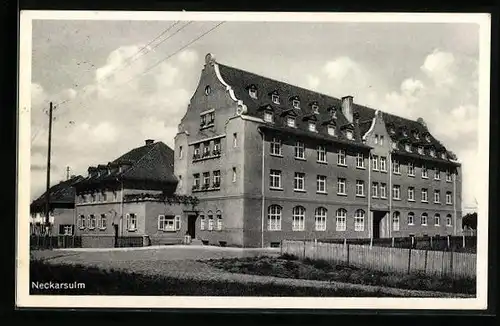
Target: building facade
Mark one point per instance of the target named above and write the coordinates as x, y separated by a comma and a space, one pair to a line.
132, 200
271, 161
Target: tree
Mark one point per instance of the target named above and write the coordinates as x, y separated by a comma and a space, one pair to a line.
470, 221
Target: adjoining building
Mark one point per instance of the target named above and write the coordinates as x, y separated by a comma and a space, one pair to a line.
61, 209
272, 161
131, 201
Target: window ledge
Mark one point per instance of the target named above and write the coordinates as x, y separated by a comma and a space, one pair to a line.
276, 188
411, 200
102, 229
276, 155
131, 230
343, 165
425, 201
398, 199
411, 224
341, 194
300, 158
322, 162
361, 196
411, 175
322, 192
425, 177
207, 126
206, 158
449, 203
375, 197
397, 173
376, 170
299, 190
360, 168
384, 171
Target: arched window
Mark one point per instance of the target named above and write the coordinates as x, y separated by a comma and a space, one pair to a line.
320, 219
359, 220
436, 219
340, 219
81, 222
448, 220
298, 218
202, 221
210, 216
92, 221
219, 220
411, 218
103, 223
424, 219
395, 221
274, 218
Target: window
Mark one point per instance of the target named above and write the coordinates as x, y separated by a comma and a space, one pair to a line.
415, 134
103, 222
202, 222
218, 214
92, 221
395, 221
360, 188
321, 153
276, 146
252, 92
296, 104
383, 164
235, 140
375, 189
424, 195
396, 192
448, 197
341, 190
177, 222
217, 150
298, 218
360, 160
340, 220
81, 222
411, 169
300, 150
275, 179
115, 195
216, 179
180, 152
196, 154
411, 218
331, 130
448, 176
436, 219
395, 167
104, 196
206, 149
290, 122
196, 181
321, 183
381, 140
298, 181
341, 157
268, 116
131, 222
432, 153
315, 108
275, 99
349, 134
334, 113
210, 221
383, 190
425, 173
424, 219
66, 229
167, 223
234, 175
274, 218
407, 147
359, 220
437, 196
180, 181
375, 139
206, 180
437, 174
320, 219
394, 145
420, 150
448, 220
312, 127
208, 90
375, 162
411, 194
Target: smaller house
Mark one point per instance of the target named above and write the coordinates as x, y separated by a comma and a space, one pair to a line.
131, 201
61, 209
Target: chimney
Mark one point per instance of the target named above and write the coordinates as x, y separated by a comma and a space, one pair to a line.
347, 107
149, 141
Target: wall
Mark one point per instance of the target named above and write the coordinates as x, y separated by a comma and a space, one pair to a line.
160, 237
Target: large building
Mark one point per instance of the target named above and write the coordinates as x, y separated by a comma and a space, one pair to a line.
131, 201
271, 161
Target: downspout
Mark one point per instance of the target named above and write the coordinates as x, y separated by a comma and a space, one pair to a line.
389, 219
121, 211
74, 217
455, 203
262, 192
370, 215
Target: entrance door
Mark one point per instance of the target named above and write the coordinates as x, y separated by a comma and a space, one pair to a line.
116, 234
378, 229
192, 226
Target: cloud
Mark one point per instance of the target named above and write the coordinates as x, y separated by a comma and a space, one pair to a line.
440, 67
116, 112
312, 81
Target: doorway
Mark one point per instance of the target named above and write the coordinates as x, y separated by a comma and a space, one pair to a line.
192, 226
378, 224
116, 234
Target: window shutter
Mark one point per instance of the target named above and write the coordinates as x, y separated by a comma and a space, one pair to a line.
177, 222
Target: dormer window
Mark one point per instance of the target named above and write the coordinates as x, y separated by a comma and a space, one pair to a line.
312, 126
394, 145
268, 116
252, 92
408, 147
432, 153
391, 130
443, 156
334, 114
331, 130
315, 109
404, 133
208, 90
290, 122
349, 134
420, 150
275, 98
296, 104
428, 138
415, 135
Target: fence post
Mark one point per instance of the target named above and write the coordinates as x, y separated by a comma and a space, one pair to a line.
412, 242
409, 260
448, 241
432, 247
463, 240
304, 257
451, 262
347, 254
392, 242
425, 262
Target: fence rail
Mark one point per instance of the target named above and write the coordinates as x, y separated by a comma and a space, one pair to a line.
387, 259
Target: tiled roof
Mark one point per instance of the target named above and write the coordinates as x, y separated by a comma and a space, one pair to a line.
241, 80
151, 163
62, 193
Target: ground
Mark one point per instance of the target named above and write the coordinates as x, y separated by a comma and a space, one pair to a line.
189, 263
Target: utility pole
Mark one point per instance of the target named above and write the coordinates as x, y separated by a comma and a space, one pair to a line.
47, 193
67, 173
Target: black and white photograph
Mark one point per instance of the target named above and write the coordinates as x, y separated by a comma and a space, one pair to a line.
253, 160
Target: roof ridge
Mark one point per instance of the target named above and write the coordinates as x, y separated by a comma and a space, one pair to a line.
142, 157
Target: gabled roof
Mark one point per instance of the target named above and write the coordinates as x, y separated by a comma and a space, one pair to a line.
151, 163
239, 80
61, 194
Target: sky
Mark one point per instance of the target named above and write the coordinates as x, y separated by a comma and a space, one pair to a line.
114, 85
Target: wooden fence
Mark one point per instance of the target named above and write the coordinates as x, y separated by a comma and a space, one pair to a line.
386, 259
58, 241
